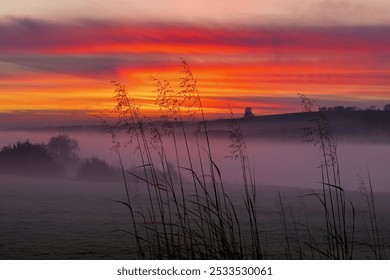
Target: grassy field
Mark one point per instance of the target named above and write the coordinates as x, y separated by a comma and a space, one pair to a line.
51, 219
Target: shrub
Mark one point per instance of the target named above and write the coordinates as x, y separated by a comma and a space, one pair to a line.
29, 159
94, 168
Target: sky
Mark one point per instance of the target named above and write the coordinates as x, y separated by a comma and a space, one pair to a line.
57, 57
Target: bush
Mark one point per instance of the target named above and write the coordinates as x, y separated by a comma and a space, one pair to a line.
29, 159
98, 169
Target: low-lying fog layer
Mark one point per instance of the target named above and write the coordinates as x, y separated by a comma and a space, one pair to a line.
276, 163
52, 218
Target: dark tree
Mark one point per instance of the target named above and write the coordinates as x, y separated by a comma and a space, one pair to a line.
28, 159
248, 113
323, 109
387, 107
97, 169
339, 108
65, 152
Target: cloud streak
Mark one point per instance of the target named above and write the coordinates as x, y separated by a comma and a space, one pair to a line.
74, 60
21, 35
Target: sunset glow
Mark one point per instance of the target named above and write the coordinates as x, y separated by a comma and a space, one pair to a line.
64, 66
194, 130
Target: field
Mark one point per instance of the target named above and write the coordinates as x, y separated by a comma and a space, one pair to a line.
51, 219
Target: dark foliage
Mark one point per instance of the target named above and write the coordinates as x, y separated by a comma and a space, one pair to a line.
29, 159
64, 150
98, 169
248, 113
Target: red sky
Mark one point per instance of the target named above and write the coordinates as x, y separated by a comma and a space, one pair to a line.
61, 69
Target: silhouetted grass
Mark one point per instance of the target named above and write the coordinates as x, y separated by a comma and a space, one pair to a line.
375, 242
188, 213
332, 198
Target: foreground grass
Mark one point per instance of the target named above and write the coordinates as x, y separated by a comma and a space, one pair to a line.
188, 213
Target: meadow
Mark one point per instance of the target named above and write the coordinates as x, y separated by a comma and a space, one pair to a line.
175, 200
68, 219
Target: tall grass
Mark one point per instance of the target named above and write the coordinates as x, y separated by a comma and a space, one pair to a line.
186, 211
375, 240
184, 219
340, 240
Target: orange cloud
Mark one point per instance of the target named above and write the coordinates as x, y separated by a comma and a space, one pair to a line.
52, 66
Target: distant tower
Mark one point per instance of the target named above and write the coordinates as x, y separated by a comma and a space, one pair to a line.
248, 113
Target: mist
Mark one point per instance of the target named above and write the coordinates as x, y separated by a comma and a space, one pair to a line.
73, 212
276, 163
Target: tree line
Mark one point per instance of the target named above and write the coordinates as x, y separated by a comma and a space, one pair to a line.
59, 157
340, 108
